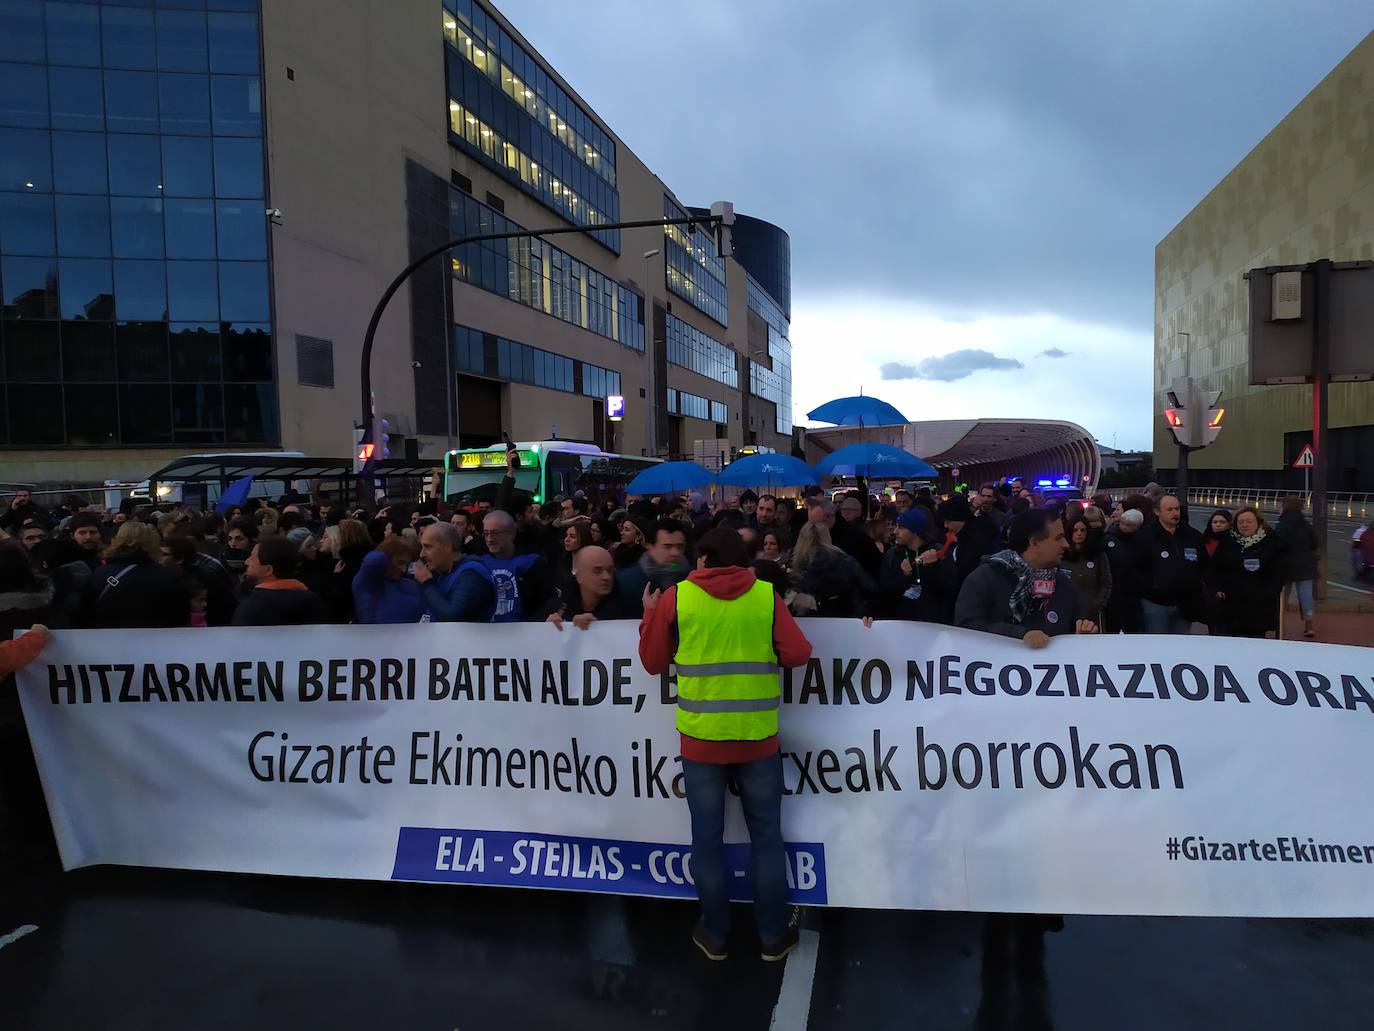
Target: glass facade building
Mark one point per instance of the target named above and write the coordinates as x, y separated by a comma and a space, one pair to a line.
541, 276
696, 273
692, 405
507, 112
772, 382
690, 348
135, 303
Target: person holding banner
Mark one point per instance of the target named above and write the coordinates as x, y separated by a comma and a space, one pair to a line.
728, 634
1022, 592
918, 584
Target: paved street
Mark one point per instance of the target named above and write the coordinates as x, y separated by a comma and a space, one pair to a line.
136, 949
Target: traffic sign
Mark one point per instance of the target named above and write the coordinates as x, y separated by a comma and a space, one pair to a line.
1306, 459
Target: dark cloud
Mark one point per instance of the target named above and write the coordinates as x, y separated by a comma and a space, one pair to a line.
949, 367
995, 158
1054, 352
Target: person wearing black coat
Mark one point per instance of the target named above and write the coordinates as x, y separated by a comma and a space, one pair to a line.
1123, 606
134, 590
916, 582
277, 599
1300, 541
975, 539
1251, 567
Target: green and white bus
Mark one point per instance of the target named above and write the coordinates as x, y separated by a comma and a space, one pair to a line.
548, 469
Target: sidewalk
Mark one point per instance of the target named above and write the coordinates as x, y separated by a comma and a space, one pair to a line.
1333, 627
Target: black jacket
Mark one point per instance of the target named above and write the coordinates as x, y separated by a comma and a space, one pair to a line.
985, 604
853, 541
265, 606
1252, 579
1169, 567
1123, 607
1300, 543
839, 584
925, 595
978, 539
145, 594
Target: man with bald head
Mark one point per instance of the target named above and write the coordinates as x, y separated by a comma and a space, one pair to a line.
594, 596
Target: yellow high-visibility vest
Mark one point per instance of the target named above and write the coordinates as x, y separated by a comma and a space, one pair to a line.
728, 687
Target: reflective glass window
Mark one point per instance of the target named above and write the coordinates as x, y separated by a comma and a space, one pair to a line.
74, 33
31, 354
190, 228
23, 95
142, 350
241, 229
238, 167
181, 41
196, 353
233, 43
78, 162
26, 224
247, 353
185, 104
83, 226
21, 30
136, 227
88, 352
192, 291
85, 288
36, 416
186, 167
249, 413
77, 98
128, 38
243, 291
140, 289
131, 101
197, 413
135, 165
145, 414
237, 105
92, 415
25, 159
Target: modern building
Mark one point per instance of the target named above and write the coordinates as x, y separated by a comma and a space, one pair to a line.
202, 200
976, 451
1305, 192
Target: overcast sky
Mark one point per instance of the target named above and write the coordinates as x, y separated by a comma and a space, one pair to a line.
973, 191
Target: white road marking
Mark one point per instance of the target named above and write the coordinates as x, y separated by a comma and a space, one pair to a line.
17, 933
794, 997
1345, 587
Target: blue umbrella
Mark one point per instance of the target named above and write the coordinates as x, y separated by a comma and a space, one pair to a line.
670, 478
857, 411
878, 461
768, 471
234, 494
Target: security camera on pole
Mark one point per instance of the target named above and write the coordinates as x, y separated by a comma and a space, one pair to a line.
1194, 417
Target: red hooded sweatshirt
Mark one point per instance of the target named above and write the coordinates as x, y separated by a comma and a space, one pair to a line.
658, 644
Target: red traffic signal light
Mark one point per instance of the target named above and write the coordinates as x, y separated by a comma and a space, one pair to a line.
365, 452
1172, 417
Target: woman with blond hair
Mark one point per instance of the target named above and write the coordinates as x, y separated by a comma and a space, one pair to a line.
352, 542
829, 581
133, 589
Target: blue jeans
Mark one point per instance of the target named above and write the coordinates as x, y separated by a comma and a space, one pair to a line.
1306, 601
760, 793
1164, 619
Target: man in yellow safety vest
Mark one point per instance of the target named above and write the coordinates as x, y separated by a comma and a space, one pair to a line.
729, 635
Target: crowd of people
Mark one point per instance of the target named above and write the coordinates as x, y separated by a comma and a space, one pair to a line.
1125, 565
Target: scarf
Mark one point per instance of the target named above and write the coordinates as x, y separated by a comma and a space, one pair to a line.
1252, 540
1020, 594
662, 577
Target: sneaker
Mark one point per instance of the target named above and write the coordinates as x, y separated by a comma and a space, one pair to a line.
711, 947
779, 949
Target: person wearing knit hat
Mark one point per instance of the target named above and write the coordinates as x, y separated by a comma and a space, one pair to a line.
968, 540
918, 583
84, 529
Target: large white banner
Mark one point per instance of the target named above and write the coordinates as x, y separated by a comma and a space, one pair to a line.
926, 768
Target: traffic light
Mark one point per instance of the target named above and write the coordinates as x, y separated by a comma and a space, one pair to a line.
1214, 414
381, 439
1194, 416
362, 451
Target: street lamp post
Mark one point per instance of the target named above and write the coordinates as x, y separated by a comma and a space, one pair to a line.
649, 342
366, 478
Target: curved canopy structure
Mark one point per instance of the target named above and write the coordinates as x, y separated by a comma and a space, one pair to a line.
981, 449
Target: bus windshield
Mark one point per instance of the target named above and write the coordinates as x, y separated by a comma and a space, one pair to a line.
548, 469
467, 471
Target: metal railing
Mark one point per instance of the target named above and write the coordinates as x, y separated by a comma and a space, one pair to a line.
1349, 506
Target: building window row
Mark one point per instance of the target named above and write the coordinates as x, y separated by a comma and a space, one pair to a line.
491, 50
537, 274
133, 36
696, 272
100, 384
692, 349
682, 403
489, 355
772, 382
517, 163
